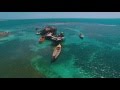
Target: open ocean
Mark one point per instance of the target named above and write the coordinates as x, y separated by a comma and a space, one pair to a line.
96, 56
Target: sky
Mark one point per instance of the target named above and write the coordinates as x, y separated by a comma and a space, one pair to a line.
39, 15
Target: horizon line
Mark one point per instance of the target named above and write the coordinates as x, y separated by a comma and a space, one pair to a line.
55, 18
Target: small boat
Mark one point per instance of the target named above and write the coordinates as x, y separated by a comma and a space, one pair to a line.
3, 34
57, 38
56, 52
42, 39
38, 33
53, 38
81, 36
60, 38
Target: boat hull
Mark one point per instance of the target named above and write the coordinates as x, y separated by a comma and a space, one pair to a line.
42, 39
56, 53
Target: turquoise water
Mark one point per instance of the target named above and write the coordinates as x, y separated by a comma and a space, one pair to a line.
96, 56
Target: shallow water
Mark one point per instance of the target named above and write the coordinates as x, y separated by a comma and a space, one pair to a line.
96, 56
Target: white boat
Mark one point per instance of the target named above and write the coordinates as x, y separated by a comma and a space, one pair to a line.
56, 52
81, 36
38, 33
54, 38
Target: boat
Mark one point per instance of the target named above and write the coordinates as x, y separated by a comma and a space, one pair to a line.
53, 38
81, 36
3, 34
60, 38
38, 33
57, 38
56, 52
42, 39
